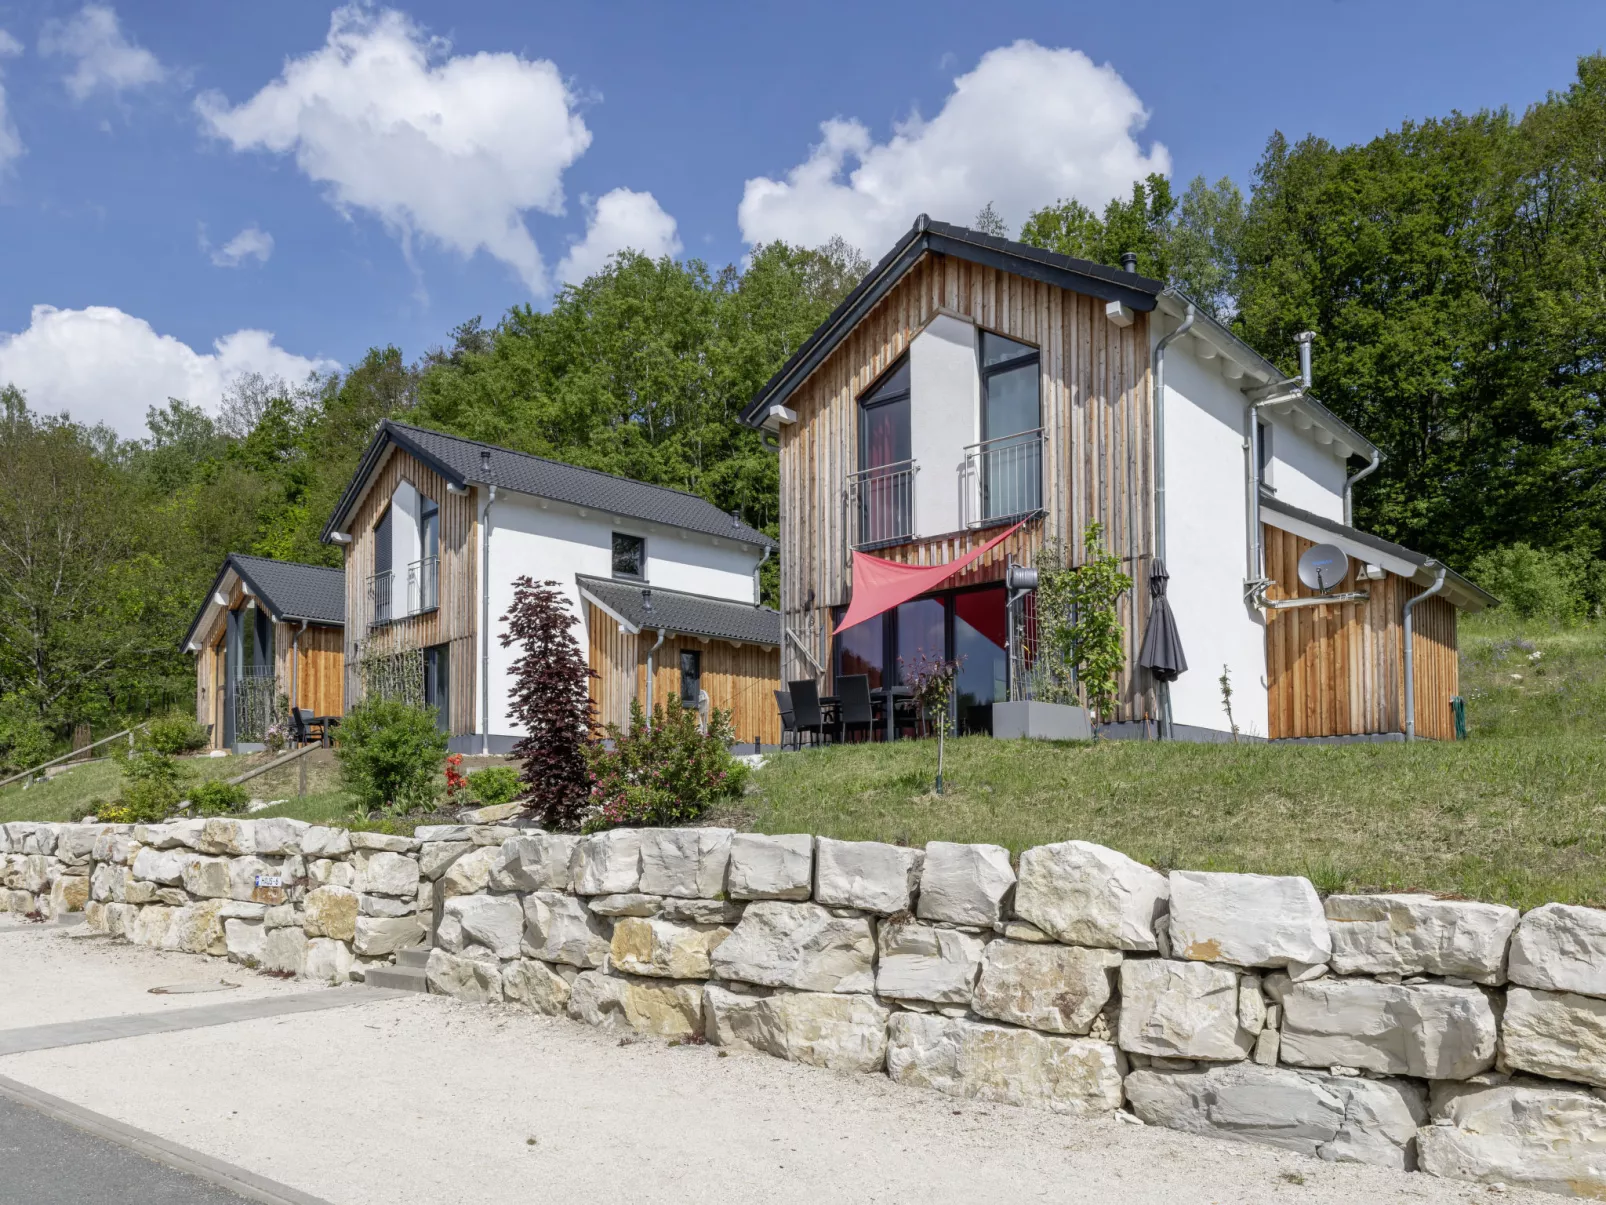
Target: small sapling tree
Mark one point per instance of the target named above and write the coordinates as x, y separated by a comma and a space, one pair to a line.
932, 681
551, 699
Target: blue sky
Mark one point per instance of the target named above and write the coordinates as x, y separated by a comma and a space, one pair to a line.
200, 189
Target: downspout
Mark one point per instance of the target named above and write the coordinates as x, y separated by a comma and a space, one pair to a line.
485, 623
1410, 683
662, 632
1349, 485
295, 665
1159, 480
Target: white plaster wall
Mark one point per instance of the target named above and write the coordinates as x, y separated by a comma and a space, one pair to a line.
404, 544
1206, 545
556, 543
944, 417
1305, 473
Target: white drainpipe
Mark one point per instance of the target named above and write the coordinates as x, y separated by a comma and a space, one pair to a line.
1349, 485
1410, 683
485, 623
662, 632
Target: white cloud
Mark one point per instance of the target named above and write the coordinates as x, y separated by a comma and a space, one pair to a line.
10, 140
105, 366
1028, 126
106, 58
451, 149
251, 243
620, 219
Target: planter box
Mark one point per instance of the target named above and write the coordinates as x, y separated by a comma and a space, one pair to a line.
1041, 721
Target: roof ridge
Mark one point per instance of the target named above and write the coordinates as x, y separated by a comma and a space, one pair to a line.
273, 560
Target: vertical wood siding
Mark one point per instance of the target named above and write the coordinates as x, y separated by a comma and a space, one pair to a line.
1338, 670
739, 679
455, 622
1098, 459
317, 667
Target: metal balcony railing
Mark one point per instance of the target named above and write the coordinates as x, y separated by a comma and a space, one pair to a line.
1001, 478
423, 585
380, 604
881, 503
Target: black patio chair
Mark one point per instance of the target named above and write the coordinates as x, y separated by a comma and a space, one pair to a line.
807, 714
856, 713
301, 724
783, 703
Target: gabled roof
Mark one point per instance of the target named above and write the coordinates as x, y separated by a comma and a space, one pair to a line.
677, 611
1396, 558
290, 591
461, 463
1084, 276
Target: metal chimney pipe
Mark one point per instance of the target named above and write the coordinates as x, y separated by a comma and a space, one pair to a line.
1129, 261
1304, 340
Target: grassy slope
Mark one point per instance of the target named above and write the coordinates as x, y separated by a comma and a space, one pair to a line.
1517, 814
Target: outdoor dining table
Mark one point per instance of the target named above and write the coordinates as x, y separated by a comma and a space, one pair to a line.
831, 707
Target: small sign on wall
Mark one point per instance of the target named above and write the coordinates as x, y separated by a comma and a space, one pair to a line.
270, 880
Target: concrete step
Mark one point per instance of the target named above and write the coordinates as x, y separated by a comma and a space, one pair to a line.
405, 979
415, 956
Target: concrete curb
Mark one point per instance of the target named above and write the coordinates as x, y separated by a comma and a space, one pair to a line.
170, 1154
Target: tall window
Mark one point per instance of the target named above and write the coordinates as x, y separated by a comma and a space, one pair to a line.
429, 528
1011, 467
885, 481
423, 580
629, 556
691, 678
437, 685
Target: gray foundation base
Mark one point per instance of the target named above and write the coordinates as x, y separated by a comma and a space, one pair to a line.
470, 745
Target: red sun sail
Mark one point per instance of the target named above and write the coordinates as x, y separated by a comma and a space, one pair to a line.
879, 584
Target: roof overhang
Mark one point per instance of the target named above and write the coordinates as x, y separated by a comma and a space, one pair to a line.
625, 625
1374, 550
217, 599
387, 438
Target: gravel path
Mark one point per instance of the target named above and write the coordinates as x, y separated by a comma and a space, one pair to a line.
425, 1100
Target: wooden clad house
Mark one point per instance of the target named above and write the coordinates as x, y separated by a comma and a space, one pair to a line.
268, 637
436, 530
970, 385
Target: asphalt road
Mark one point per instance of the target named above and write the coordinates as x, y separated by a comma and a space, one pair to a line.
48, 1162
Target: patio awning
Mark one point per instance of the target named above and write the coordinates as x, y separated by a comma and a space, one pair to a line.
879, 584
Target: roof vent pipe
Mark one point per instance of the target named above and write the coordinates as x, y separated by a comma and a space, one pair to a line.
485, 460
646, 601
1304, 340
1129, 261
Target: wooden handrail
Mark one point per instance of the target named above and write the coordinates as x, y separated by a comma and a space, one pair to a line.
283, 760
69, 756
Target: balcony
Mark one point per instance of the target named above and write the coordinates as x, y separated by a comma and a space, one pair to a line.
1001, 479
881, 503
380, 605
423, 585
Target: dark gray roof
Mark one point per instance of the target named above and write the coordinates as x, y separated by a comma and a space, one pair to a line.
1034, 263
460, 461
289, 590
676, 611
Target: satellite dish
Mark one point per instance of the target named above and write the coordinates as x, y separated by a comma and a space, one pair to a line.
1323, 568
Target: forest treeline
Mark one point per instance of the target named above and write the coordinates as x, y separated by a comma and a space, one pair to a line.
1453, 269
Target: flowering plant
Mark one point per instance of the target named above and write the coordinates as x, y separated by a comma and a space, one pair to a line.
663, 773
456, 782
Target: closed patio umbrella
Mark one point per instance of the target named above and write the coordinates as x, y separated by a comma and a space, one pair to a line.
1162, 653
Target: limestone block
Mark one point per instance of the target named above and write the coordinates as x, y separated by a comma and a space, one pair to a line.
540, 985
243, 910
321, 842
222, 835
137, 892
1430, 1030
386, 842
1181, 1010
385, 873
328, 961
150, 926
664, 949
112, 919
982, 1061
607, 863
327, 873
245, 875
659, 1006
280, 916
922, 962
1087, 895
20, 902
494, 834
435, 856
197, 929
632, 903
376, 936
1550, 1137
537, 862
207, 878
115, 843
1055, 988
331, 912
470, 873
173, 897
822, 1029
698, 912
383, 905
867, 875
965, 884
1251, 1004
449, 934
685, 862
1561, 948
1561, 1035
69, 893
1248, 920
493, 921
559, 928
764, 867
75, 843
279, 835
161, 865
284, 950
30, 873
464, 978
1419, 935
109, 882
803, 946
1340, 1119
435, 833
244, 940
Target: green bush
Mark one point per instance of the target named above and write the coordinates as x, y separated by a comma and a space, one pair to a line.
24, 740
390, 756
495, 785
665, 774
174, 733
1542, 583
218, 798
153, 784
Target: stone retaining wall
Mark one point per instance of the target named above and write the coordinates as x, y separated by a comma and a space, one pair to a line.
1401, 1030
